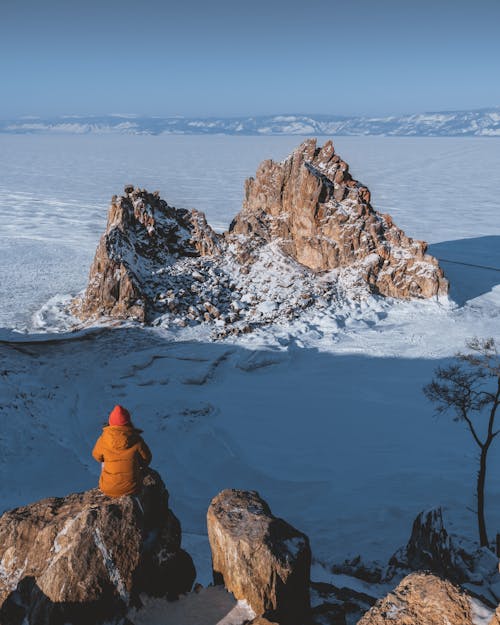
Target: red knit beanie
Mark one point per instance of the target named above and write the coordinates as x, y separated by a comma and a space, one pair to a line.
119, 416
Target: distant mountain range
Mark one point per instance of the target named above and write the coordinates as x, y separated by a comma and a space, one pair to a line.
479, 123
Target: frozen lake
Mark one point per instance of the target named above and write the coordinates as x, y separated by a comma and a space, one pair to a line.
325, 417
55, 191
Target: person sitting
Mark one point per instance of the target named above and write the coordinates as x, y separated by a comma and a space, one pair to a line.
123, 453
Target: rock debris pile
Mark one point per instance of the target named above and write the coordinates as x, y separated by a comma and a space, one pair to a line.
307, 236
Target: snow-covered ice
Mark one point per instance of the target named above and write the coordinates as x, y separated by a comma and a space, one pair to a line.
325, 417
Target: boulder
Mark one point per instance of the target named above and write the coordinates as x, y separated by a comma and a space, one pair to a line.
421, 599
85, 558
323, 219
259, 558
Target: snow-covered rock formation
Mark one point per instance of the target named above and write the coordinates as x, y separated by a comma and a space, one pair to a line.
84, 558
258, 557
307, 236
433, 547
323, 218
144, 235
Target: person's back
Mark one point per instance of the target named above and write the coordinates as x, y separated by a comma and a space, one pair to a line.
124, 455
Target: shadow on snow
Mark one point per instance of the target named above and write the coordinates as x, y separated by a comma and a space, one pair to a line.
471, 265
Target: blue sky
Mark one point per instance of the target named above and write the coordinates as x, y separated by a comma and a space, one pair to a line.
349, 57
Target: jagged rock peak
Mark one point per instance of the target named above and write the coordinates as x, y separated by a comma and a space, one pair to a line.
85, 558
324, 219
161, 230
143, 234
432, 548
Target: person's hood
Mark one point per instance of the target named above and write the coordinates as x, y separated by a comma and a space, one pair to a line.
120, 436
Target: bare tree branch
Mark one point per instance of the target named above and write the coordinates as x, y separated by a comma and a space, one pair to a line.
472, 430
466, 387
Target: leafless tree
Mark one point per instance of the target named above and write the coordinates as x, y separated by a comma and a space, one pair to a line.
469, 388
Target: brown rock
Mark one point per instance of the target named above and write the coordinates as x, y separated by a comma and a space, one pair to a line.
495, 619
324, 220
142, 235
259, 557
85, 558
421, 599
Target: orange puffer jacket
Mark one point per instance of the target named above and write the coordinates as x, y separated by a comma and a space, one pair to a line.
124, 455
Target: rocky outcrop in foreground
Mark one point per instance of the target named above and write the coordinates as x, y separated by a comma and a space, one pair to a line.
307, 237
259, 557
421, 599
84, 559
